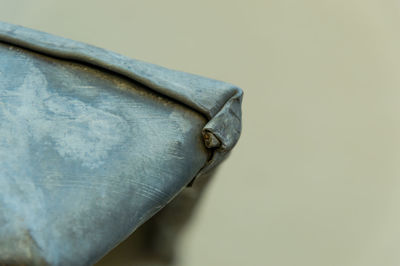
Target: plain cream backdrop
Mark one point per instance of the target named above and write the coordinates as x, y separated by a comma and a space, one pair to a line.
315, 178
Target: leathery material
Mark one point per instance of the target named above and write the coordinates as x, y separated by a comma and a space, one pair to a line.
92, 144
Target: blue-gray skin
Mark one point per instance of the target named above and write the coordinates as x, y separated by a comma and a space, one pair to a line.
90, 150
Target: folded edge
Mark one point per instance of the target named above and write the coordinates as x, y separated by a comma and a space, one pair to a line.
220, 102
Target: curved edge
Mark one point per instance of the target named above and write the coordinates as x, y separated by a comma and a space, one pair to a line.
220, 102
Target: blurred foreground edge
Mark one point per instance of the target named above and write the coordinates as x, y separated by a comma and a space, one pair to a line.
93, 144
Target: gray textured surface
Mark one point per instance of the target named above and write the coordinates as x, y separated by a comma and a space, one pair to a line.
93, 144
220, 102
85, 157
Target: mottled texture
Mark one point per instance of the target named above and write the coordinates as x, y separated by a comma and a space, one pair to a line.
220, 102
85, 157
92, 144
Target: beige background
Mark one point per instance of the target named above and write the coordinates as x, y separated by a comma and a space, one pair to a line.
314, 180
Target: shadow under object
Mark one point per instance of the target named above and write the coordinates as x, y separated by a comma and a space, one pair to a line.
93, 144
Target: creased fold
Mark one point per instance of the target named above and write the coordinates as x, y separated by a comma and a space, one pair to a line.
220, 102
